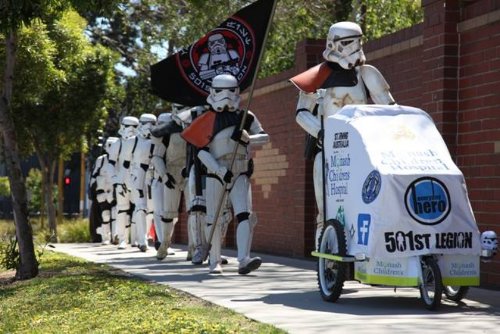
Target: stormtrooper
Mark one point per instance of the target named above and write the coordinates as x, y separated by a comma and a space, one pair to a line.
103, 173
195, 195
169, 161
120, 154
223, 138
342, 79
489, 245
141, 158
219, 59
158, 173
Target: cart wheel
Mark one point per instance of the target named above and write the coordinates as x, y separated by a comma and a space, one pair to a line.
455, 293
331, 273
431, 288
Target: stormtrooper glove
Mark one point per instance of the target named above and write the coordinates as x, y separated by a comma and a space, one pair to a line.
241, 136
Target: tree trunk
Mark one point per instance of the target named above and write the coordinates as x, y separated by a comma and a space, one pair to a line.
48, 167
28, 266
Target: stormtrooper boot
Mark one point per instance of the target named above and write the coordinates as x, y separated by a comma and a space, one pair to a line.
215, 251
106, 233
243, 241
196, 239
166, 239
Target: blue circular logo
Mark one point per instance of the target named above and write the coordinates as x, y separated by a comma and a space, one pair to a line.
371, 187
427, 200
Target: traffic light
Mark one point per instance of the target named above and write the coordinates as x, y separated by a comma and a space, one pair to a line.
67, 180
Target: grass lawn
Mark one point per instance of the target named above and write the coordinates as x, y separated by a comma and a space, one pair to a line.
71, 295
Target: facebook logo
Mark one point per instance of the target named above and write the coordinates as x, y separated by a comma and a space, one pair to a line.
364, 221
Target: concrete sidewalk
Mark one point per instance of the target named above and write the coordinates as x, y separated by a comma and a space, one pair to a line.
284, 292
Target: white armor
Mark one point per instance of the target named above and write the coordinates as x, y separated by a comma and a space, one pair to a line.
120, 155
141, 158
157, 186
222, 176
170, 159
344, 55
103, 173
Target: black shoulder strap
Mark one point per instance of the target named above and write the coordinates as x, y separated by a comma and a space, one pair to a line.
135, 144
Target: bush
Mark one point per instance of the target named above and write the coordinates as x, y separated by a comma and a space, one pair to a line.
71, 230
9, 253
74, 230
4, 186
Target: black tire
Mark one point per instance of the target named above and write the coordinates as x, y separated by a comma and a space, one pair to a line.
331, 273
455, 293
431, 289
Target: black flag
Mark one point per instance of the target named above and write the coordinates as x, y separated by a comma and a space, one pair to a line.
233, 47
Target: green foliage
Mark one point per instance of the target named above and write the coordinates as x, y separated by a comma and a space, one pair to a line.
9, 250
34, 188
14, 13
9, 253
4, 186
383, 17
74, 230
71, 230
139, 29
74, 296
75, 86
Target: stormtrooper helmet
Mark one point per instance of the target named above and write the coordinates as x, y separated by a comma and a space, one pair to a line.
344, 45
177, 111
146, 123
177, 108
224, 93
128, 127
217, 44
163, 118
489, 245
109, 142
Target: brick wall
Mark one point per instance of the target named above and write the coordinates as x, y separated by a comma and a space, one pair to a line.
478, 117
449, 65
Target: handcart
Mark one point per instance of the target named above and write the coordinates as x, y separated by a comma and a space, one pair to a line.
397, 211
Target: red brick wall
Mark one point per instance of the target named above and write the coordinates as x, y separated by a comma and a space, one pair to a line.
478, 140
449, 65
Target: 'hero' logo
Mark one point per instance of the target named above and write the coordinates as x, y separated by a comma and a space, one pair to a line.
427, 200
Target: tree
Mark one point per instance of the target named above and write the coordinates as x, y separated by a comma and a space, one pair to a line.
144, 31
75, 86
14, 14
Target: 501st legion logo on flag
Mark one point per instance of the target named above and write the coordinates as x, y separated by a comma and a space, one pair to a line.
227, 49
233, 47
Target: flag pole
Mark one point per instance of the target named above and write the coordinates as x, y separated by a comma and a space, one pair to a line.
241, 126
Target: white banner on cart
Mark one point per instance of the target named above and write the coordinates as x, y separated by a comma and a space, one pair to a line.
392, 183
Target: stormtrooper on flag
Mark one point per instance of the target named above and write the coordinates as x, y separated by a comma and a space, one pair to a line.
342, 79
218, 133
